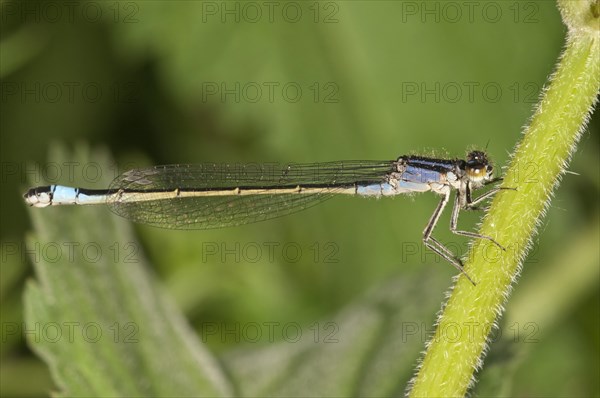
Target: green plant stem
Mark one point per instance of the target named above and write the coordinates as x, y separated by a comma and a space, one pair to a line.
456, 350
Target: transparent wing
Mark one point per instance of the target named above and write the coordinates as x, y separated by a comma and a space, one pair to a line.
204, 212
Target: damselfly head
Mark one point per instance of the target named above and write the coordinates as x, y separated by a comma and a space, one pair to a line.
478, 167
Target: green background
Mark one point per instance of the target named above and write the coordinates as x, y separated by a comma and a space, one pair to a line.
354, 62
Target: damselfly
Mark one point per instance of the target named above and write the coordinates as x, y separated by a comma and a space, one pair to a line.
212, 195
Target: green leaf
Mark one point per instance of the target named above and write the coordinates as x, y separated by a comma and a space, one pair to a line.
368, 349
96, 315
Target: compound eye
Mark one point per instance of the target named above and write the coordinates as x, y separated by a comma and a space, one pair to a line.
476, 172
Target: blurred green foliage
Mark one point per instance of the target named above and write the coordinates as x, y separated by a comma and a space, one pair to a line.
377, 80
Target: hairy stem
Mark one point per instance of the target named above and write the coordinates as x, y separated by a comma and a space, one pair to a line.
456, 350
